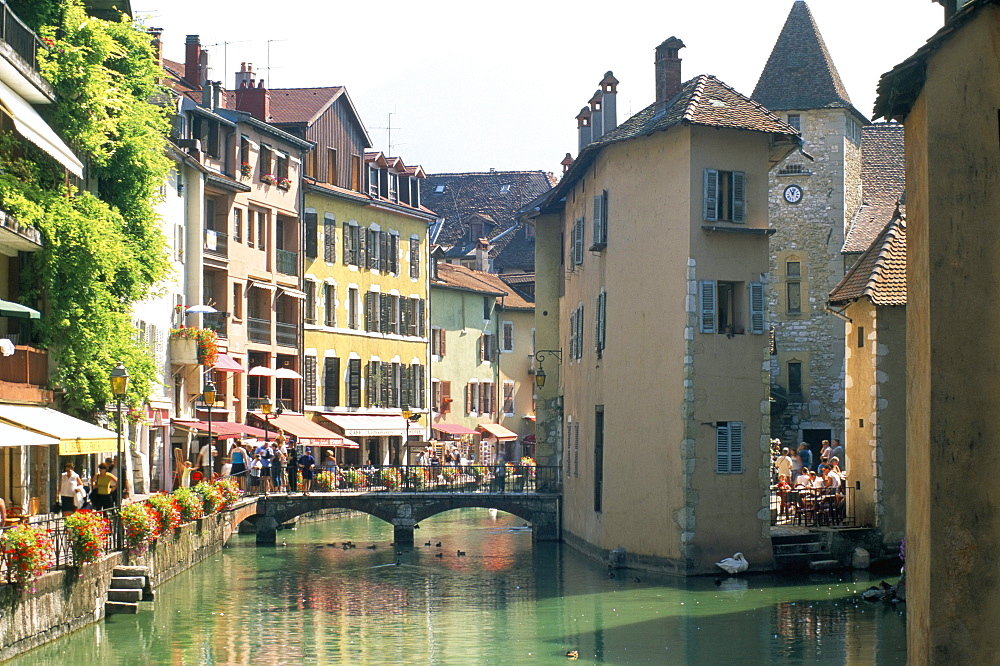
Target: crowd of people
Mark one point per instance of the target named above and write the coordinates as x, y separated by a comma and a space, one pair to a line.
794, 471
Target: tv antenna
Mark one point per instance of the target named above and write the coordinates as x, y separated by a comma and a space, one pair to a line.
225, 53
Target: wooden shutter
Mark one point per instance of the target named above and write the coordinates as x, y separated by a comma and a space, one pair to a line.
722, 448
600, 237
445, 389
329, 240
394, 254
735, 447
443, 348
756, 307
706, 303
468, 398
363, 249
331, 382
421, 331
385, 313
739, 196
711, 195
578, 231
354, 382
405, 316
348, 250
482, 348
405, 387
600, 328
310, 380
414, 258
383, 252
370, 310
370, 388
508, 397
311, 233
419, 387
579, 333
385, 391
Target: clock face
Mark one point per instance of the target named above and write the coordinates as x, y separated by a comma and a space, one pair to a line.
793, 194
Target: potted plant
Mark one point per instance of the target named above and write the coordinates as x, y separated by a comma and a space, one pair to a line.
190, 504
269, 179
86, 531
230, 492
211, 497
246, 170
168, 514
354, 478
203, 341
284, 183
29, 551
389, 477
140, 526
326, 481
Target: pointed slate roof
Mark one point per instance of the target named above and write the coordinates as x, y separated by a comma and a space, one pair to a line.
880, 273
883, 182
800, 73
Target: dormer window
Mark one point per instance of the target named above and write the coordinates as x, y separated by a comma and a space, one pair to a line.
439, 189
475, 230
393, 187
373, 174
505, 188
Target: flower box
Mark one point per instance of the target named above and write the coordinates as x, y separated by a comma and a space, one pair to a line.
183, 351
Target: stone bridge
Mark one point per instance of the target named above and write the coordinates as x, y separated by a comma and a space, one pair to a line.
404, 510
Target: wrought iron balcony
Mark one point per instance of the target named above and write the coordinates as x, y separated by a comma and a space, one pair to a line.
19, 37
216, 243
218, 322
259, 330
288, 262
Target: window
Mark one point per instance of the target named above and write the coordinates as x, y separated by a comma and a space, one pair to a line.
329, 239
576, 449
861, 337
352, 308
793, 287
311, 159
438, 342
507, 337
794, 379
729, 447
576, 333
795, 120
329, 305
237, 225
853, 130
392, 263
472, 398
310, 314
356, 173
444, 395
414, 257
372, 311
281, 168
244, 153
505, 188
354, 382
331, 381
601, 328
373, 247
251, 228
237, 300
720, 309
724, 196
394, 187
352, 244
261, 231
311, 231
598, 457
508, 398
266, 163
373, 181
488, 303
600, 221
576, 247
487, 344
331, 166
439, 189
309, 394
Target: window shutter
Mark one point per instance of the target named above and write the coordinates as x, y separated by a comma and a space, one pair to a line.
419, 387
394, 254
578, 231
482, 348
348, 250
329, 240
370, 384
579, 333
384, 309
711, 191
442, 347
414, 258
706, 301
383, 252
370, 310
735, 447
722, 448
600, 328
468, 399
354, 382
756, 308
405, 397
311, 234
331, 382
405, 316
364, 248
421, 331
599, 235
310, 380
739, 196
386, 378
572, 334
445, 406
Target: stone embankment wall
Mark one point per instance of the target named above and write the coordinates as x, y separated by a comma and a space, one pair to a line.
63, 601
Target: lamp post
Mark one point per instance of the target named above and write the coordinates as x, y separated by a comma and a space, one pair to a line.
407, 414
208, 397
540, 357
119, 385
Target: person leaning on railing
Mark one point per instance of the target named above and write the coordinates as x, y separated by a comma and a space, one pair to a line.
104, 485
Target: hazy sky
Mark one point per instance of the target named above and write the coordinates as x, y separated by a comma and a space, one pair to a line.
472, 86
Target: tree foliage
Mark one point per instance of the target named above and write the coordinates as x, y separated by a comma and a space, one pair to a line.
103, 249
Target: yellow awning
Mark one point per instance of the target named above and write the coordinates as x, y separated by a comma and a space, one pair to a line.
75, 437
32, 127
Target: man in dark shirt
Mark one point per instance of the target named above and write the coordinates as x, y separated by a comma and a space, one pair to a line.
806, 456
306, 465
293, 470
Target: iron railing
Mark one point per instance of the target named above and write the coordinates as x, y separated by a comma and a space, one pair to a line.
20, 37
813, 507
288, 262
259, 330
287, 334
218, 322
216, 243
63, 550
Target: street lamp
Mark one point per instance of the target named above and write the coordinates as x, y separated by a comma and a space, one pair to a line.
119, 385
410, 416
540, 357
208, 397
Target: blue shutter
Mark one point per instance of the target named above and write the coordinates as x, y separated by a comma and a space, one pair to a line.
711, 191
739, 196
722, 448
735, 447
600, 236
578, 231
706, 304
756, 308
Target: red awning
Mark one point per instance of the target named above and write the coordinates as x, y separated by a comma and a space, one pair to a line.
530, 439
453, 429
226, 363
221, 429
305, 430
498, 431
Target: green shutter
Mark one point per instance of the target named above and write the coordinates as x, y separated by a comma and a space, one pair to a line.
735, 447
711, 191
600, 235
706, 304
739, 196
354, 382
756, 308
722, 448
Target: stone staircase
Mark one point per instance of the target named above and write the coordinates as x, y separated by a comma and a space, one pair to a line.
803, 551
129, 586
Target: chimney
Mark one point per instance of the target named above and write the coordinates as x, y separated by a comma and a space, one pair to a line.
203, 76
156, 41
192, 60
609, 86
583, 126
596, 115
245, 75
668, 71
567, 162
483, 255
255, 100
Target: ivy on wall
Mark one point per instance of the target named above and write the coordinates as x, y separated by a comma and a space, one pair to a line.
103, 248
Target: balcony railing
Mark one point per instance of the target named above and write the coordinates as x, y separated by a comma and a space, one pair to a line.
288, 334
288, 262
21, 39
259, 330
26, 366
218, 322
216, 243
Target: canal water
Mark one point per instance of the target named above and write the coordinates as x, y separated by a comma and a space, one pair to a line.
505, 601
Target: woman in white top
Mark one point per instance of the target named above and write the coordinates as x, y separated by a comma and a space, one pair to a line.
69, 481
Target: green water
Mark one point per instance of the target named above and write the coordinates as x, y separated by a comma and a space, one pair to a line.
507, 601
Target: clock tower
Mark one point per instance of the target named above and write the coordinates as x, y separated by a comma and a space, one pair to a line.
813, 195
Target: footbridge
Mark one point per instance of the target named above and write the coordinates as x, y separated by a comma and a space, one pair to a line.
405, 495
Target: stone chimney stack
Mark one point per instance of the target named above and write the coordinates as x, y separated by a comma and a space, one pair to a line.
483, 255
668, 71
244, 76
596, 116
567, 162
609, 88
203, 80
583, 127
192, 60
254, 99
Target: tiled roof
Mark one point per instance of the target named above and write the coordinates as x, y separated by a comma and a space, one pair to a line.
490, 284
518, 252
880, 273
301, 105
800, 73
465, 194
883, 179
899, 88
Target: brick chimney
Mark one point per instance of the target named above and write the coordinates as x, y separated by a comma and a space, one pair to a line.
192, 60
609, 86
254, 99
596, 116
668, 71
583, 127
567, 162
245, 75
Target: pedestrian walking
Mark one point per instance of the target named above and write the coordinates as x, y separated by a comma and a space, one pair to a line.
306, 465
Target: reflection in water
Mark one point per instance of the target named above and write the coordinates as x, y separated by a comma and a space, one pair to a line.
506, 601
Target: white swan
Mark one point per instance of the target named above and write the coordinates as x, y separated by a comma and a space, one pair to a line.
734, 564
